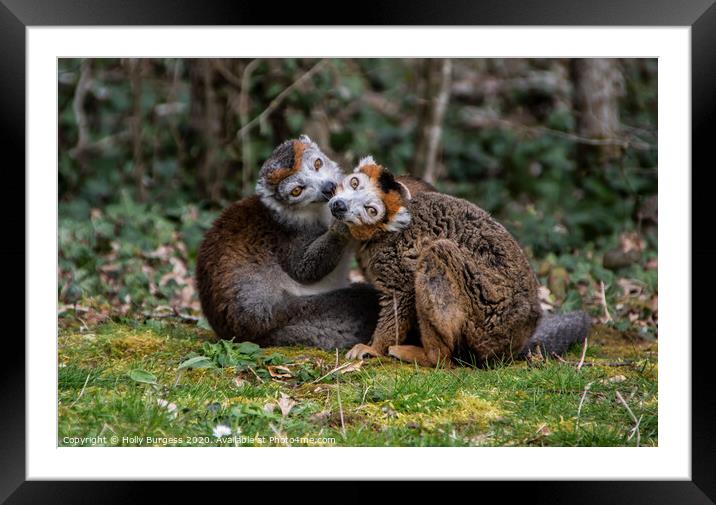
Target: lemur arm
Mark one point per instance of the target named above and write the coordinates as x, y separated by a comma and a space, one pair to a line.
310, 261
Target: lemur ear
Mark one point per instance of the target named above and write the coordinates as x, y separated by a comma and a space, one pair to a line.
305, 139
367, 160
404, 192
399, 221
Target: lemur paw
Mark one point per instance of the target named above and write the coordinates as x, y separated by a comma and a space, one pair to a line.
362, 351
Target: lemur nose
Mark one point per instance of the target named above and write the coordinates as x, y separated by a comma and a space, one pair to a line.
338, 208
328, 189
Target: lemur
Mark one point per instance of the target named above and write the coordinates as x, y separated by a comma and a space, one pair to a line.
446, 266
273, 268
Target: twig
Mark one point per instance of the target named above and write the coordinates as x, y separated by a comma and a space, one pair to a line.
606, 363
226, 73
581, 402
558, 358
81, 392
584, 353
603, 297
365, 393
174, 314
395, 319
257, 375
631, 414
479, 120
340, 405
336, 369
277, 101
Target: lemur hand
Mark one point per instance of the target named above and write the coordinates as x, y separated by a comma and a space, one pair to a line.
362, 351
341, 228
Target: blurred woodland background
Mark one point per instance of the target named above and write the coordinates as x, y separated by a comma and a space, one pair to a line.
563, 152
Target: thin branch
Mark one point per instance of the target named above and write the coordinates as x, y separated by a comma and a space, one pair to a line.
603, 298
277, 101
395, 319
336, 369
257, 375
584, 353
477, 119
340, 405
607, 363
581, 402
631, 414
81, 392
226, 73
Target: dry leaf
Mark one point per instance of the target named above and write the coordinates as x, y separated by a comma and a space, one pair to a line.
352, 367
279, 372
285, 403
543, 431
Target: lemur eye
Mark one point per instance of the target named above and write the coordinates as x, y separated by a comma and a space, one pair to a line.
297, 191
318, 163
354, 182
372, 211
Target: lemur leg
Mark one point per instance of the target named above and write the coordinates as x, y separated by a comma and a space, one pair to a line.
396, 318
439, 302
337, 319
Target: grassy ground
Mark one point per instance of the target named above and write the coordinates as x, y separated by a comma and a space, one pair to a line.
124, 378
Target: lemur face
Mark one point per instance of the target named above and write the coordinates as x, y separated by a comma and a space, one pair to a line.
298, 179
370, 200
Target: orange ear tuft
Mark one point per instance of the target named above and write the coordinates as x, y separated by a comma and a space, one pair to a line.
372, 171
280, 174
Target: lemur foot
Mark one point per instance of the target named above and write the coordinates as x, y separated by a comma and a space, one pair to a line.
362, 351
415, 354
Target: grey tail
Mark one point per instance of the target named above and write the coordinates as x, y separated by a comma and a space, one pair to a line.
556, 332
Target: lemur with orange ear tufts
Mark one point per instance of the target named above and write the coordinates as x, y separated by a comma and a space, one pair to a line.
273, 268
445, 266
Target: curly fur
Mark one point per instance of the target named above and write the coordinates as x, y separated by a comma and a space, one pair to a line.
460, 277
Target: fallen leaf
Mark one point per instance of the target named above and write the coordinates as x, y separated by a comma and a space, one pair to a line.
285, 403
279, 372
352, 367
543, 431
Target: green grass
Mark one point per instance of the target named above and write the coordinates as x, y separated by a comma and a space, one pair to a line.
381, 403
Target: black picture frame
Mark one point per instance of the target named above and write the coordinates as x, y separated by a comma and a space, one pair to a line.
17, 15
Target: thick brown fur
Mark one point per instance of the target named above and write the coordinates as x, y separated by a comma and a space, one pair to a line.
456, 274
268, 276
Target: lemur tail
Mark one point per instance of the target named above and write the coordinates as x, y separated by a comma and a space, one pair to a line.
556, 332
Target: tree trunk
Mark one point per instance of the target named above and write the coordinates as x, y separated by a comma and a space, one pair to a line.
434, 94
598, 85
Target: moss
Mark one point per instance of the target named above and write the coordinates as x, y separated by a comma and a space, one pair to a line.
384, 402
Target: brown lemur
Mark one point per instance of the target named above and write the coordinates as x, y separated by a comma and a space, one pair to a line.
273, 268
447, 267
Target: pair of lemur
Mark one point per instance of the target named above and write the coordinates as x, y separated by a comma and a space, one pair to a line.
274, 268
